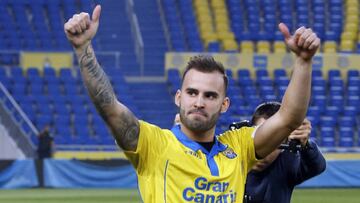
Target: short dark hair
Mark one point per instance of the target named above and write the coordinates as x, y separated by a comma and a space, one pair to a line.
206, 64
265, 110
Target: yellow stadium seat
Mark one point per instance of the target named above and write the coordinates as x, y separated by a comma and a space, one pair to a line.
203, 11
351, 27
199, 3
221, 20
263, 47
352, 19
220, 12
230, 45
329, 47
279, 47
352, 10
221, 27
209, 37
206, 27
348, 35
354, 3
204, 19
226, 35
218, 6
347, 45
247, 47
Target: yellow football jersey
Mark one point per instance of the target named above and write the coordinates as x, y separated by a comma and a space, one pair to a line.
172, 168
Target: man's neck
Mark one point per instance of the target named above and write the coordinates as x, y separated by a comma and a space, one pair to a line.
205, 136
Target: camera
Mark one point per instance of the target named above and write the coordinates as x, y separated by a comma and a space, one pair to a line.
238, 125
293, 146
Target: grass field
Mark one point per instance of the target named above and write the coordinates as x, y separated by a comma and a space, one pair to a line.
131, 196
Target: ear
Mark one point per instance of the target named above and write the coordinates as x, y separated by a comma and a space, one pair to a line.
225, 104
177, 98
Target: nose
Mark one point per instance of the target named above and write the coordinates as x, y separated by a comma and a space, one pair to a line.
199, 102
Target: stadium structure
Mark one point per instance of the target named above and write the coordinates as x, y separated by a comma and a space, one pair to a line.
143, 46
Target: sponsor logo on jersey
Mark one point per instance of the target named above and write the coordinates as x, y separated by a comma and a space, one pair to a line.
229, 153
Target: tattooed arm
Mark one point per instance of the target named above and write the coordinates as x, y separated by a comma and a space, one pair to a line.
124, 125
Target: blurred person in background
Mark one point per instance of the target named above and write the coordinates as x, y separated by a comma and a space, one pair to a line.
45, 144
273, 178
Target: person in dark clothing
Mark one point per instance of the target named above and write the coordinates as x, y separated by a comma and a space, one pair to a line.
273, 178
45, 145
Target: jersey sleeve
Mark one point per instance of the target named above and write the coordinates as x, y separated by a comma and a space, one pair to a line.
152, 143
245, 141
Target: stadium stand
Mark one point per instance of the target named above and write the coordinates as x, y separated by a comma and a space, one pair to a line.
57, 96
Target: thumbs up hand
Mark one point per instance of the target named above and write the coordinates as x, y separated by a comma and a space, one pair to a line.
304, 43
80, 29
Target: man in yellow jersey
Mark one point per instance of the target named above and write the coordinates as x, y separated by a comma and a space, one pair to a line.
188, 163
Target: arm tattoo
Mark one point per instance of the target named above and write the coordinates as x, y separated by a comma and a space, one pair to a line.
124, 125
96, 81
128, 132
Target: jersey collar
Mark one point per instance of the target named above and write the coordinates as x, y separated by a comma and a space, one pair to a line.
185, 140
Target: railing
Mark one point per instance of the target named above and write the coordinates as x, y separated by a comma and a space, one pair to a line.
24, 142
164, 24
135, 30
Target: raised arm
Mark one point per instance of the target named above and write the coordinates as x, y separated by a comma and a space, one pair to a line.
80, 30
304, 44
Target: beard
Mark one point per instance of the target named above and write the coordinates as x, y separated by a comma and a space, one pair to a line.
198, 125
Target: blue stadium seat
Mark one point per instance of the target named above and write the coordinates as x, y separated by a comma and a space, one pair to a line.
318, 90
353, 101
80, 120
53, 89
16, 71
18, 88
334, 73
243, 73
350, 111
45, 109
279, 73
353, 73
353, 81
32, 72
327, 121
42, 120
327, 137
61, 109
64, 131
346, 137
49, 72
82, 131
3, 72
353, 90
35, 89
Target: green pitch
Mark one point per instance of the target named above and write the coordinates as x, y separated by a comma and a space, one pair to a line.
69, 195
131, 196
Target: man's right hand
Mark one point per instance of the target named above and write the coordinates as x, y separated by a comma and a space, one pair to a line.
80, 29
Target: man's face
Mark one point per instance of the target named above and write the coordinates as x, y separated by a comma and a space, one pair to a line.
201, 100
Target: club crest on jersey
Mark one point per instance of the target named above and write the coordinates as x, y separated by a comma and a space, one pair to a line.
229, 153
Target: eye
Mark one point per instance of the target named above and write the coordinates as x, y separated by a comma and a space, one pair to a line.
192, 92
211, 96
